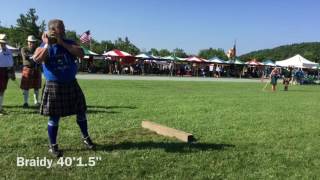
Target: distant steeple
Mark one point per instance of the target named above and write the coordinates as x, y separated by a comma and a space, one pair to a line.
232, 53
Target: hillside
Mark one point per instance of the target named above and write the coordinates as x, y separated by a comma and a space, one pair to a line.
309, 50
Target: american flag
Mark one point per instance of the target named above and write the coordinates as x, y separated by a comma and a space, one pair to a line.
85, 37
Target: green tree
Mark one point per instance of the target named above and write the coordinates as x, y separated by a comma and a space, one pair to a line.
164, 52
154, 51
309, 50
72, 35
210, 53
126, 45
27, 24
179, 53
108, 45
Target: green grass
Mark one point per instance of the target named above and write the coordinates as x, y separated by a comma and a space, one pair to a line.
242, 132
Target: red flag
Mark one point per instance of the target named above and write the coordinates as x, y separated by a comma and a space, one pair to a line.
85, 37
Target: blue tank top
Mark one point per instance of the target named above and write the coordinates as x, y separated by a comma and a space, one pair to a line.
61, 66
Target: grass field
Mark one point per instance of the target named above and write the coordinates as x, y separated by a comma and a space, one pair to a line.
242, 132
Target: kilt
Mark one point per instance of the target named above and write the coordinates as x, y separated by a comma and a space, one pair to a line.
274, 80
31, 78
3, 78
286, 81
62, 99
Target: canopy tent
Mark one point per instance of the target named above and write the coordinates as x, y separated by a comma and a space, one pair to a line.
117, 53
12, 48
121, 56
173, 58
237, 62
182, 59
15, 51
157, 58
149, 58
88, 53
297, 61
254, 62
144, 56
316, 67
268, 62
169, 58
217, 60
196, 59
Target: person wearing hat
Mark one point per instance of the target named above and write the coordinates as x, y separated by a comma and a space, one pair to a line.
62, 95
6, 68
31, 72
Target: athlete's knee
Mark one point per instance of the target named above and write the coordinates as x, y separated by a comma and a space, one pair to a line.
53, 121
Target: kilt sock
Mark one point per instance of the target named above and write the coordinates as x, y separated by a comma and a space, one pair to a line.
82, 122
25, 96
36, 96
1, 101
53, 126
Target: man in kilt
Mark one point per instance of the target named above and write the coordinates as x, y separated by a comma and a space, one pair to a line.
62, 96
31, 72
287, 72
6, 68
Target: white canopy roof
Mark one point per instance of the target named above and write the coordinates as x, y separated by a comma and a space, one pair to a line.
237, 62
117, 53
296, 61
11, 48
196, 59
143, 56
217, 60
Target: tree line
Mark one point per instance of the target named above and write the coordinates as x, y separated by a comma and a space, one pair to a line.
309, 50
29, 24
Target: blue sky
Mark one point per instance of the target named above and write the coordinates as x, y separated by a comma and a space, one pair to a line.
188, 24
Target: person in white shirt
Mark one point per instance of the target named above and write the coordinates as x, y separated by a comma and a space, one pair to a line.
6, 68
218, 71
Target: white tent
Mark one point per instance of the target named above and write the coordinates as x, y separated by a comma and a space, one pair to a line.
237, 62
296, 61
12, 48
15, 51
144, 56
196, 59
217, 60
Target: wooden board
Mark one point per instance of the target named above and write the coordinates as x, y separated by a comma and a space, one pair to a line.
167, 131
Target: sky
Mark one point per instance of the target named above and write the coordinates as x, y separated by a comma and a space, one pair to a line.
188, 24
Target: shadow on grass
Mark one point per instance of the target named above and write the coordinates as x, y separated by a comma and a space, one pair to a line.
129, 140
111, 107
107, 109
173, 147
20, 107
300, 90
91, 109
20, 110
